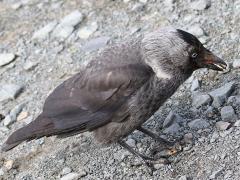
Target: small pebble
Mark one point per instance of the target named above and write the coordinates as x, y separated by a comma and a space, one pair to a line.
28, 66
96, 43
222, 125
198, 124
173, 129
9, 91
63, 32
200, 4
158, 166
236, 63
45, 31
82, 173
237, 123
85, 32
1, 172
222, 93
6, 58
196, 30
200, 99
131, 142
17, 5
195, 85
66, 170
138, 7
188, 138
72, 19
71, 176
215, 174
228, 114
183, 178
8, 164
22, 115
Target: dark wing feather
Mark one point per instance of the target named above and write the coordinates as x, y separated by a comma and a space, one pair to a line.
95, 98
85, 102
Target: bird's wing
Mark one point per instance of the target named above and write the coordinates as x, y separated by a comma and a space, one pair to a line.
86, 101
90, 100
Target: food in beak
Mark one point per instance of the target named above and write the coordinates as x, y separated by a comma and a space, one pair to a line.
213, 62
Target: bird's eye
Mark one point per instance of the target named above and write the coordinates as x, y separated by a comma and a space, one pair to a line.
194, 55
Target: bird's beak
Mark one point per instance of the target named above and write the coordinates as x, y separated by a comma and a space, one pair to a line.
211, 61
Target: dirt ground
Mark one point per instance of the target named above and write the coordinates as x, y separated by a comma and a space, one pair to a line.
46, 58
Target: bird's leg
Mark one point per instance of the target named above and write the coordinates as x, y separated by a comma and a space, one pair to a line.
170, 149
155, 136
147, 160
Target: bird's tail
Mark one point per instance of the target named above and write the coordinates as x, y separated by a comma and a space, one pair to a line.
36, 129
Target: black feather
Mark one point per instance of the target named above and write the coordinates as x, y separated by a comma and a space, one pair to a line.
189, 38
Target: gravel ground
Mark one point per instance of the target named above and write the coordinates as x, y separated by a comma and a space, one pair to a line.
43, 42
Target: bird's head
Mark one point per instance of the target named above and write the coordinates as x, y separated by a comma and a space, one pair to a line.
171, 49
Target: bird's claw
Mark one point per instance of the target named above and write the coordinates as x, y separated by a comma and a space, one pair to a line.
168, 151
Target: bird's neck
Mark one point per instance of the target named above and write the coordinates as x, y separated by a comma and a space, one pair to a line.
170, 81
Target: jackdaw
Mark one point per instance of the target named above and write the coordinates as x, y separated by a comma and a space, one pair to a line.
120, 89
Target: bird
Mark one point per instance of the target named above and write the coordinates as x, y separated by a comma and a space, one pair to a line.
120, 89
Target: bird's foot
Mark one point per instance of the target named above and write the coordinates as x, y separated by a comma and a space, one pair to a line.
148, 161
167, 151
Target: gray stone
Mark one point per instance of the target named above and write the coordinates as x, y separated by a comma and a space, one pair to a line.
45, 31
234, 100
72, 19
196, 30
131, 142
28, 66
217, 102
200, 99
237, 123
126, 1
228, 114
96, 43
183, 178
82, 173
71, 176
12, 116
17, 5
86, 31
188, 138
6, 58
138, 7
158, 166
4, 129
1, 172
210, 112
63, 32
9, 91
222, 125
215, 174
236, 63
200, 4
172, 118
169, 4
66, 170
214, 137
40, 141
67, 24
143, 1
190, 80
221, 94
173, 129
198, 124
195, 85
